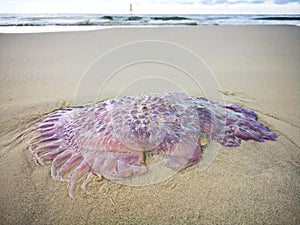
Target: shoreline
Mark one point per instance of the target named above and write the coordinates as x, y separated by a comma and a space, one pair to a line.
57, 29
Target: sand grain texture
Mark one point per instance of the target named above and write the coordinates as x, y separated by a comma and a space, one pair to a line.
256, 67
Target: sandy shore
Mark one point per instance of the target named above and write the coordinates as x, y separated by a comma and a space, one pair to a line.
253, 66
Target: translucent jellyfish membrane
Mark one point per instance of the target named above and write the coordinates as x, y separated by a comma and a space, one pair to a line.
109, 139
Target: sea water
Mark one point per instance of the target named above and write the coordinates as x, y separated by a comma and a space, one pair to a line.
27, 23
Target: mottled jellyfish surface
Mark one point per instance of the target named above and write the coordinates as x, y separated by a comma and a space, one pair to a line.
118, 138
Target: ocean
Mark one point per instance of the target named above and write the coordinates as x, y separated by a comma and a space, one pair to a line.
24, 23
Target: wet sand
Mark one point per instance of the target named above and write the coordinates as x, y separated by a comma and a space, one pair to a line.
256, 67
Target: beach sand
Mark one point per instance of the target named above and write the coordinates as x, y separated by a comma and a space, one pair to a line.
256, 67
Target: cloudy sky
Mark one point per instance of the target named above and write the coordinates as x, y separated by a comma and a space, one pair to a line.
150, 6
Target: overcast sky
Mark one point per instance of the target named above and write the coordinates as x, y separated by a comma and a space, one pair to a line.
150, 6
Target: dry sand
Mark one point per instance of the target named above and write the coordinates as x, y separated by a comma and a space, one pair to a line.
255, 66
